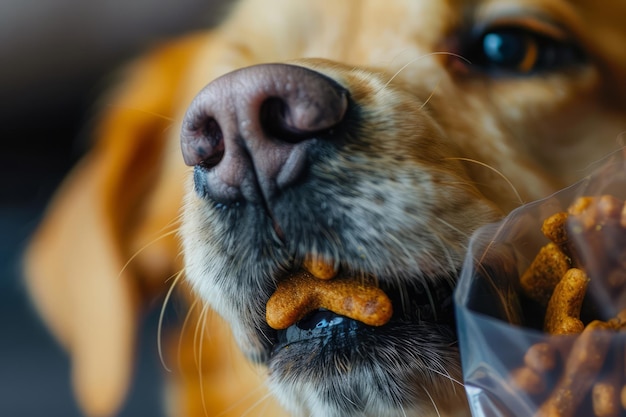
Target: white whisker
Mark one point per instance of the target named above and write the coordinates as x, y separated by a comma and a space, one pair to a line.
452, 227
160, 235
144, 111
432, 93
263, 398
177, 278
414, 60
433, 402
183, 329
447, 376
202, 320
500, 174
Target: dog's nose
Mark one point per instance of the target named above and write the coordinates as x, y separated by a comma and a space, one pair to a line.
249, 130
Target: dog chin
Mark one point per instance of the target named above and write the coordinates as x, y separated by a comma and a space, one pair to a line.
330, 365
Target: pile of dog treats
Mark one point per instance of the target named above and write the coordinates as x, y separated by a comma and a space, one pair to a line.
586, 371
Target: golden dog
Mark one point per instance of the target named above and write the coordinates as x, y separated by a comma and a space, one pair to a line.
374, 136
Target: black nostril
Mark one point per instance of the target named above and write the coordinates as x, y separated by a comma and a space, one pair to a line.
203, 142
272, 117
213, 135
276, 122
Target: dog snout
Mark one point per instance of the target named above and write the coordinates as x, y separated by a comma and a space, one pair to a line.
249, 130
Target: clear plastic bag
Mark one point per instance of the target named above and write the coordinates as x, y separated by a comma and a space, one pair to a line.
498, 324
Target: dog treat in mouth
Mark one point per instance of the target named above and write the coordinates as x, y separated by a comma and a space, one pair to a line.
319, 268
300, 293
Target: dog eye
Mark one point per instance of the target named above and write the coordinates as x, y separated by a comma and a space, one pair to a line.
517, 51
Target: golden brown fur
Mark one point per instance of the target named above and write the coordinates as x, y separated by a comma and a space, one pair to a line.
109, 245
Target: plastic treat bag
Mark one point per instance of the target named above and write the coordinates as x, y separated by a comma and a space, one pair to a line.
541, 315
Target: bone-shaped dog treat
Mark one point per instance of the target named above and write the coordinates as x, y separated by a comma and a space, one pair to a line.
301, 293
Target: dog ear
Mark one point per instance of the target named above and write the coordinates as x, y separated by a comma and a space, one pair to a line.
124, 194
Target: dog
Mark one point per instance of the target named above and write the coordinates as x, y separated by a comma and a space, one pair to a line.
375, 137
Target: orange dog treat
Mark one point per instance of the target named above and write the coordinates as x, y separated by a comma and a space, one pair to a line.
586, 241
528, 380
605, 398
563, 311
302, 293
319, 268
542, 276
590, 213
555, 229
595, 224
538, 360
541, 357
618, 322
610, 207
581, 369
580, 206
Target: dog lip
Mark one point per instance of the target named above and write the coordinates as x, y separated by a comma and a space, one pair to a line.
322, 325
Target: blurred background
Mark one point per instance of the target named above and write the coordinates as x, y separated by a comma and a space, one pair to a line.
56, 57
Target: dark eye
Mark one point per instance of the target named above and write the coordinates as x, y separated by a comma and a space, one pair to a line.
518, 51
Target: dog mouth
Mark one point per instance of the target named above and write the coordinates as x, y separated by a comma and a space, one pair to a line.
351, 311
344, 362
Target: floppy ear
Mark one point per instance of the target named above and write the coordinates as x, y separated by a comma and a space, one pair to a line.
122, 195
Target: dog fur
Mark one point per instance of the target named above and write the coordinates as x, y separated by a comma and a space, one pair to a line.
445, 142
